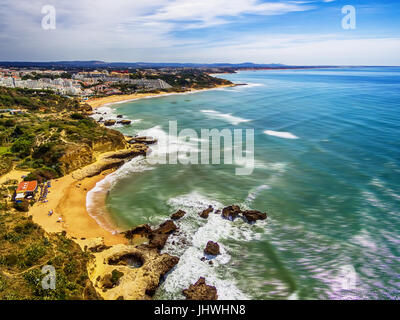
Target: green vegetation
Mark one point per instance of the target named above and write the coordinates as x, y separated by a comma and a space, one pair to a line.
191, 78
52, 128
25, 248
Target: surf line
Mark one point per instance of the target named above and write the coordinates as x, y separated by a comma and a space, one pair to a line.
183, 147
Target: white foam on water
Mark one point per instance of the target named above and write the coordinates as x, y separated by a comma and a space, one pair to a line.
255, 192
365, 240
190, 241
108, 113
167, 144
381, 185
281, 134
95, 198
224, 116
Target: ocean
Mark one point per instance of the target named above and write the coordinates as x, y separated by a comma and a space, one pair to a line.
326, 171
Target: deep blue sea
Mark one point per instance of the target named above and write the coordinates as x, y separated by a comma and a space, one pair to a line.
327, 172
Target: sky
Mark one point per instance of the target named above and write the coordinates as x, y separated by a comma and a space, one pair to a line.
304, 32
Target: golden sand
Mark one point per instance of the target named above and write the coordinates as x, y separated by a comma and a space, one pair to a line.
98, 102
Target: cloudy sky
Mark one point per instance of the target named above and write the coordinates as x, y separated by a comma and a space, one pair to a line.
203, 31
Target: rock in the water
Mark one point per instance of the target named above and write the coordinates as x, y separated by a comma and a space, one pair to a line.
212, 248
145, 140
119, 116
143, 230
158, 240
231, 212
206, 212
109, 122
159, 237
254, 215
177, 215
124, 122
200, 291
166, 227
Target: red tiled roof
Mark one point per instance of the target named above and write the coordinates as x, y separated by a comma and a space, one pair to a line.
27, 186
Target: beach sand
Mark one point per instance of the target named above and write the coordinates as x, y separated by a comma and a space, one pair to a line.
67, 199
98, 102
67, 195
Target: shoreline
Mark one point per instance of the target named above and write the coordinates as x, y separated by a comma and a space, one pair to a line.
117, 99
70, 205
67, 199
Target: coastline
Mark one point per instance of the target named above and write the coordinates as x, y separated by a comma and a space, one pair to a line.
67, 199
70, 205
70, 213
116, 99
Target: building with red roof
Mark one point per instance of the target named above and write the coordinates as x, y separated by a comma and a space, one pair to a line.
27, 187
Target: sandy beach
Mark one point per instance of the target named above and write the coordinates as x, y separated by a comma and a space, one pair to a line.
98, 102
67, 199
67, 195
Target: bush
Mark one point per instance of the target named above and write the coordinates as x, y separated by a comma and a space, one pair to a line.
77, 116
33, 253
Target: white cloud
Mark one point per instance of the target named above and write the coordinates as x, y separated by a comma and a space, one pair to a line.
136, 30
206, 13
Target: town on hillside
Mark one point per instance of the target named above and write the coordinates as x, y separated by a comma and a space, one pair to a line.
86, 83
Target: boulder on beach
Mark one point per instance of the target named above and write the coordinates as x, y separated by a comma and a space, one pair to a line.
200, 291
206, 212
177, 215
212, 248
254, 215
231, 212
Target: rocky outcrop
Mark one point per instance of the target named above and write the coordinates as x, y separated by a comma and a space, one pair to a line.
143, 230
110, 161
206, 212
157, 238
135, 150
109, 123
145, 140
254, 215
231, 212
116, 277
212, 248
200, 291
177, 215
114, 140
124, 122
166, 227
75, 157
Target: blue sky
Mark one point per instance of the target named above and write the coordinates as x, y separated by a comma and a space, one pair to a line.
290, 32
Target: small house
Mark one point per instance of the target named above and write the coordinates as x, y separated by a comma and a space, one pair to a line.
25, 189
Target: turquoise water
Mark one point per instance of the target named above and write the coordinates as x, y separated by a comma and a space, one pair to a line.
327, 173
